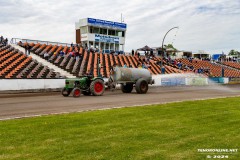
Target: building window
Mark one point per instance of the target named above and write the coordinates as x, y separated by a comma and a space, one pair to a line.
111, 32
120, 33
104, 31
107, 46
84, 43
112, 47
116, 47
93, 29
91, 44
96, 45
83, 30
90, 29
123, 33
102, 46
96, 30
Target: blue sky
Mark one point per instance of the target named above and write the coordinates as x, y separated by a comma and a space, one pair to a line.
210, 25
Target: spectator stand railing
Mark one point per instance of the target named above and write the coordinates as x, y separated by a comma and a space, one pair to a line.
17, 40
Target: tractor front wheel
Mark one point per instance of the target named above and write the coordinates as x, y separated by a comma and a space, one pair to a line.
97, 87
76, 92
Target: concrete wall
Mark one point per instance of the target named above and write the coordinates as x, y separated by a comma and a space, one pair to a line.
30, 84
179, 79
35, 84
223, 80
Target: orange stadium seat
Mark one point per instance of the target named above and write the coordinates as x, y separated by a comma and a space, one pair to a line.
15, 64
95, 68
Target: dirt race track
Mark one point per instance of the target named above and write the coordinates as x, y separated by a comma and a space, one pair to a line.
18, 105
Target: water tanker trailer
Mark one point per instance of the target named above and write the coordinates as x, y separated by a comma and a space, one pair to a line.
130, 77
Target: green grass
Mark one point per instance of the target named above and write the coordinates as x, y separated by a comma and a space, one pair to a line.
170, 131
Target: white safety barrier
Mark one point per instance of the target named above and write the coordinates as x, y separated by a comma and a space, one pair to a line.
39, 84
30, 84
225, 80
179, 79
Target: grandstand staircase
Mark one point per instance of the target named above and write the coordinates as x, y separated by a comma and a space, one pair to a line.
46, 63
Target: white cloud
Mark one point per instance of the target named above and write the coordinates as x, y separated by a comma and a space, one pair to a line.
211, 25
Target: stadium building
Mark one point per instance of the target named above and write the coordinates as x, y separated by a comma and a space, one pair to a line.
101, 34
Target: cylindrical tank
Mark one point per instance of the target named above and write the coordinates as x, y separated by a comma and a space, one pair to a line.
120, 74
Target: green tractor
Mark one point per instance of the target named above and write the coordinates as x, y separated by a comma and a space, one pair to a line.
86, 85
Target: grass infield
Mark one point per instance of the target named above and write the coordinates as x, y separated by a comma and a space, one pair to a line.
169, 131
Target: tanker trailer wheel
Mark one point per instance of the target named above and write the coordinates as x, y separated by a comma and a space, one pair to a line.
76, 92
127, 88
97, 87
141, 86
66, 92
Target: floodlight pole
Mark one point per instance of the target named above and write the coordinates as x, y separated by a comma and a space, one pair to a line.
164, 39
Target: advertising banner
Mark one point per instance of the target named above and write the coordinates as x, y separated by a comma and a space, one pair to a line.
216, 80
234, 80
108, 39
197, 81
104, 23
173, 81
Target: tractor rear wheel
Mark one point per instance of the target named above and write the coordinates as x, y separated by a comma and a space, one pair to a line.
76, 92
127, 88
65, 92
141, 86
97, 87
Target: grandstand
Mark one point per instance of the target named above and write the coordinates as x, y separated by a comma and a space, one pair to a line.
215, 69
89, 61
232, 64
15, 64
